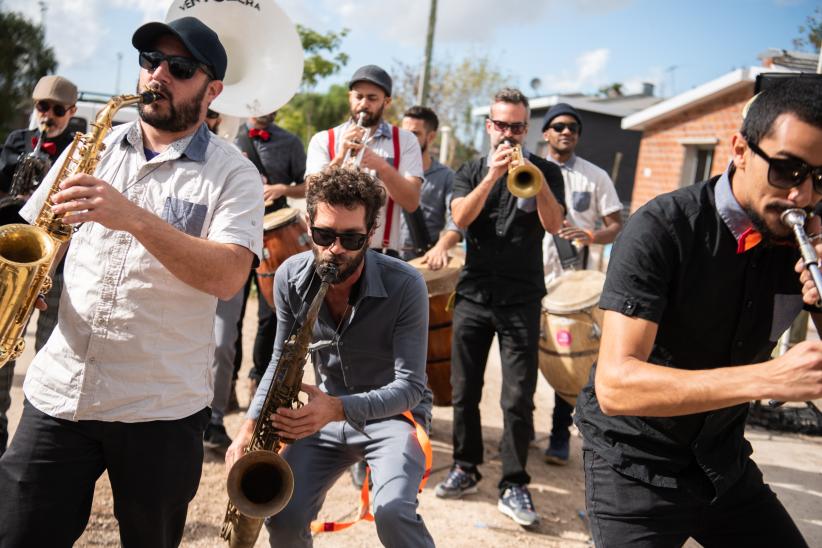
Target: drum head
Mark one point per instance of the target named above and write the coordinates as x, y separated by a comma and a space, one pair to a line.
439, 281
278, 218
573, 291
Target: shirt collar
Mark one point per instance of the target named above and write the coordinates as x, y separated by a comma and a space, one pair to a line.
192, 146
735, 218
569, 164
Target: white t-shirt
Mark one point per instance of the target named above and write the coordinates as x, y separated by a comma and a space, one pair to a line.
589, 196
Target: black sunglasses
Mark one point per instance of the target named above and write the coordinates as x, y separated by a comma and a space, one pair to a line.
559, 127
516, 128
180, 67
45, 106
212, 115
352, 241
789, 172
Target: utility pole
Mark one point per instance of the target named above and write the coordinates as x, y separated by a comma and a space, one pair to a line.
117, 77
422, 93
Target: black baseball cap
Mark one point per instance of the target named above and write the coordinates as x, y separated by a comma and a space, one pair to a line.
558, 110
373, 74
202, 42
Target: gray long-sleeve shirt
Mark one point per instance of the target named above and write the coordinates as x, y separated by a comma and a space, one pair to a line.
374, 361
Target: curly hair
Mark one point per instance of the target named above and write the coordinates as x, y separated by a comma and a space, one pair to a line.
801, 97
346, 187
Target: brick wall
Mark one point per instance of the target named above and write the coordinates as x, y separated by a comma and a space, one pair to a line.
661, 152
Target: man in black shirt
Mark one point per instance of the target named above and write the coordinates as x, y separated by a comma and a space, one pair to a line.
54, 104
499, 291
701, 284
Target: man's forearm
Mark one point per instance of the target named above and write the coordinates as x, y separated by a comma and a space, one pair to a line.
449, 239
549, 210
466, 209
214, 268
404, 191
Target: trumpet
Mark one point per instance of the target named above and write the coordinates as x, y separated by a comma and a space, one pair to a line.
352, 159
524, 180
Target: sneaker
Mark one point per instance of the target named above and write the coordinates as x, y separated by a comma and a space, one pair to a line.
215, 437
557, 452
516, 504
458, 483
357, 472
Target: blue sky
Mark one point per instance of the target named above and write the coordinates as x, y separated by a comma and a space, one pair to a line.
570, 45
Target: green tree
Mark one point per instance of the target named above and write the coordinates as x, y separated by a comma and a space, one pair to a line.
456, 87
307, 110
24, 59
811, 32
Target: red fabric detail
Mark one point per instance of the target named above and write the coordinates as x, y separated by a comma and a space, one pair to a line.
260, 134
389, 205
48, 148
748, 240
331, 149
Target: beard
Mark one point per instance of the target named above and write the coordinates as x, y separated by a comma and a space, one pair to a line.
345, 266
179, 117
769, 237
369, 120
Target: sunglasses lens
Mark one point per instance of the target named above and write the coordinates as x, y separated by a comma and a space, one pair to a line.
322, 236
150, 60
41, 106
58, 110
182, 68
785, 173
352, 242
325, 238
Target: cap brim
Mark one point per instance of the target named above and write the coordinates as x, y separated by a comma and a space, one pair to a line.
146, 36
370, 81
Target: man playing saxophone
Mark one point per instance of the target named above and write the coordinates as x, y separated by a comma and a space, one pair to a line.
169, 222
54, 104
368, 353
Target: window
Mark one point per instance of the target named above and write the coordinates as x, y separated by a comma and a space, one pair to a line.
698, 161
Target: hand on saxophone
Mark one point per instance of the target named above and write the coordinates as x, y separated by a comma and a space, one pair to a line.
238, 446
84, 198
311, 417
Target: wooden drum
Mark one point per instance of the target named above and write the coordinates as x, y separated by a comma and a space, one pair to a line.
571, 322
441, 285
285, 234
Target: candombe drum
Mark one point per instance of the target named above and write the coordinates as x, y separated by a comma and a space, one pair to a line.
441, 285
569, 340
284, 235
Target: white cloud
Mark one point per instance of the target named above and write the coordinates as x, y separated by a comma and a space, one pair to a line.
590, 73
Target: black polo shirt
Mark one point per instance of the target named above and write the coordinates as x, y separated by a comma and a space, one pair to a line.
503, 262
20, 141
676, 264
282, 158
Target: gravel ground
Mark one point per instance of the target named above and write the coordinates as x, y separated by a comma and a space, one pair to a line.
792, 464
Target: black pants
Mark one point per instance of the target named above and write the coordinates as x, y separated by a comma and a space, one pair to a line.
517, 329
266, 333
561, 420
626, 512
48, 474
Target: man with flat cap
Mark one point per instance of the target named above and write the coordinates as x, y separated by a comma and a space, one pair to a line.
169, 222
388, 152
54, 105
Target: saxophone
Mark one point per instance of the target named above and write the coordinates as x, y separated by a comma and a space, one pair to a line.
28, 252
31, 168
260, 483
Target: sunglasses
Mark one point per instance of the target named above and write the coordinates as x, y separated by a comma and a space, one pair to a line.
352, 241
212, 115
180, 67
517, 128
559, 127
789, 172
45, 106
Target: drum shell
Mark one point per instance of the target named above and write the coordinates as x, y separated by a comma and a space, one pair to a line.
438, 366
280, 243
568, 347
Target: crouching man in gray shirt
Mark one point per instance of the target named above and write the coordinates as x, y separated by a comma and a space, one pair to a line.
368, 351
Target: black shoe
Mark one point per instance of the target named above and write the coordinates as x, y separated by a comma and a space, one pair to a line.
357, 472
215, 437
516, 503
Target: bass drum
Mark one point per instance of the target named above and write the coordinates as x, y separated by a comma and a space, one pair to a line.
284, 235
10, 211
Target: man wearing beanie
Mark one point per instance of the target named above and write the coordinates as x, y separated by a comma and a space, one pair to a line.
169, 222
591, 200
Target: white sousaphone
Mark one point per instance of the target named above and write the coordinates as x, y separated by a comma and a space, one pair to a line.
265, 56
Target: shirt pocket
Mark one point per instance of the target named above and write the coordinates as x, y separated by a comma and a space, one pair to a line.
186, 216
785, 309
581, 200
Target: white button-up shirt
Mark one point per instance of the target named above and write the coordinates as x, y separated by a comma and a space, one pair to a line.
134, 343
382, 143
589, 196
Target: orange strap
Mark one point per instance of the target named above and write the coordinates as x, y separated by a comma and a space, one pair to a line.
364, 512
